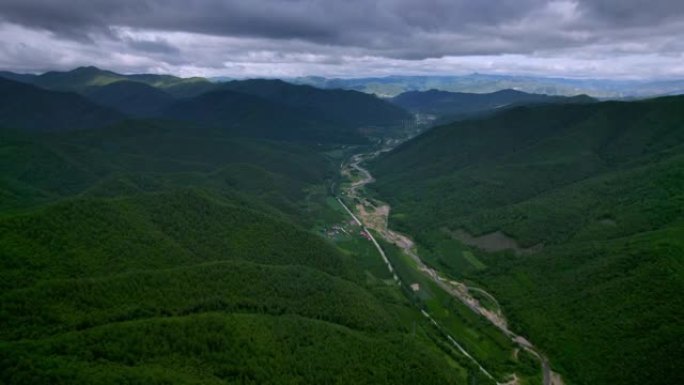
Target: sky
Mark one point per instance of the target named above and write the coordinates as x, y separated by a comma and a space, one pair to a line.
621, 39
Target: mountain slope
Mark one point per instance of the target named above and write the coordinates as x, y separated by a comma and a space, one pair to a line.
575, 212
76, 80
175, 86
352, 108
185, 253
83, 79
24, 78
26, 107
156, 278
251, 116
131, 98
135, 157
459, 104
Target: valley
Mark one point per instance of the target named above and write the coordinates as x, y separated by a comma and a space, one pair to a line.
562, 214
374, 215
164, 230
319, 192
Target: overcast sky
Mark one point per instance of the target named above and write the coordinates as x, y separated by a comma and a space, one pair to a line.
347, 38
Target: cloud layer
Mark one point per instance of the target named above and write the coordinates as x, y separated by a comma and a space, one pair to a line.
600, 38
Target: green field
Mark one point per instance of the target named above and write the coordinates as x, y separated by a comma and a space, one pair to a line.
476, 263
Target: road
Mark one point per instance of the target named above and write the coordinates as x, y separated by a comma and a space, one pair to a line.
375, 216
399, 282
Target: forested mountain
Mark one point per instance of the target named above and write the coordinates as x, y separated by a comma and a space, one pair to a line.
268, 109
246, 115
132, 98
77, 79
169, 253
24, 78
353, 108
460, 104
23, 106
83, 79
576, 214
136, 157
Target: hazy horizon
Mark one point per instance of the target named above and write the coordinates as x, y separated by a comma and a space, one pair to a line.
359, 76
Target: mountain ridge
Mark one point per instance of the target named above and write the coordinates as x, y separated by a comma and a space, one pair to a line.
452, 105
24, 106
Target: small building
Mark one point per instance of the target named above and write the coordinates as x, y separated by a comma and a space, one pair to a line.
415, 286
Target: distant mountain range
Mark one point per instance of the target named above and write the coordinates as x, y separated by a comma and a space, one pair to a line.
454, 105
89, 97
344, 106
318, 109
130, 97
391, 86
83, 78
34, 109
252, 116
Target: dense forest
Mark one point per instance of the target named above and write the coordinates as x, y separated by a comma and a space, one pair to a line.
166, 252
158, 229
571, 215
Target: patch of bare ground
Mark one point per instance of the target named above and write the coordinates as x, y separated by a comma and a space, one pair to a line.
556, 379
492, 242
514, 380
373, 217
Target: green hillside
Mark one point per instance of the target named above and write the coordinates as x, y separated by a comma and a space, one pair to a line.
268, 109
131, 98
352, 108
173, 85
574, 214
26, 107
160, 279
84, 78
251, 116
161, 252
137, 157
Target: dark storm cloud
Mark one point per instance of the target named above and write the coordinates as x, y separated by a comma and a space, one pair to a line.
156, 45
398, 28
265, 19
410, 30
634, 12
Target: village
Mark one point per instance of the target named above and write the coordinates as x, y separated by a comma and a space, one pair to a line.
345, 229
